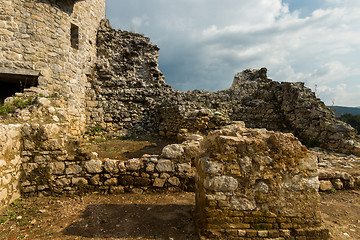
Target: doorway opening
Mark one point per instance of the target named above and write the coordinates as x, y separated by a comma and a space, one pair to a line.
16, 80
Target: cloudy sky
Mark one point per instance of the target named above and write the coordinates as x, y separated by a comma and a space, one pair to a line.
203, 43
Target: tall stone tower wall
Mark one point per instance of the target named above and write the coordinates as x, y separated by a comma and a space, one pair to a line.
54, 40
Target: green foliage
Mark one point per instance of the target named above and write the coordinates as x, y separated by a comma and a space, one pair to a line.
17, 103
5, 109
124, 138
353, 120
310, 143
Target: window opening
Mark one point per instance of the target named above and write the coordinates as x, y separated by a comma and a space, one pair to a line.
74, 34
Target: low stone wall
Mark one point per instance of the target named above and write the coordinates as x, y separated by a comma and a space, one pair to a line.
254, 184
51, 166
10, 163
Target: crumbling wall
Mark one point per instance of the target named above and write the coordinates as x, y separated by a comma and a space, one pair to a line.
10, 163
254, 183
129, 95
56, 39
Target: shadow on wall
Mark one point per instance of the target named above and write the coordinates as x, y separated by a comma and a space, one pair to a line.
135, 221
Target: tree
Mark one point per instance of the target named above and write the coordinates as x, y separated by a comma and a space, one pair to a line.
353, 120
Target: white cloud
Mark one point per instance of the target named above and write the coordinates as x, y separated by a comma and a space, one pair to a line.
205, 42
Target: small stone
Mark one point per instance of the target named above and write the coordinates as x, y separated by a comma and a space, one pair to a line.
326, 185
73, 169
174, 181
184, 167
111, 182
159, 182
57, 168
165, 165
111, 166
133, 164
263, 233
79, 181
338, 184
137, 191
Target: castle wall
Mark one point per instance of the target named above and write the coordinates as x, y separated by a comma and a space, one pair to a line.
41, 35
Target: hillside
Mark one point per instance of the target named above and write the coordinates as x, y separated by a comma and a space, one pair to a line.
339, 110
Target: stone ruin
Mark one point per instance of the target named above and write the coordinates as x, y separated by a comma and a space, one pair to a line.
69, 72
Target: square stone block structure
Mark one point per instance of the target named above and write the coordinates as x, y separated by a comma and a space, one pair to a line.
50, 45
254, 184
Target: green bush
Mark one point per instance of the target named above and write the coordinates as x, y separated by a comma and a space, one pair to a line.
353, 120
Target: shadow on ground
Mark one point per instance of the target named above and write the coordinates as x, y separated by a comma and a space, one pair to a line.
135, 221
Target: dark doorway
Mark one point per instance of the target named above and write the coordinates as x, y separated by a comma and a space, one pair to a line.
16, 80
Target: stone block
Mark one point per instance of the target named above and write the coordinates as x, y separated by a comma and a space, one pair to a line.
159, 182
111, 166
263, 233
57, 168
174, 181
73, 169
326, 185
165, 165
221, 183
93, 166
172, 151
133, 164
337, 183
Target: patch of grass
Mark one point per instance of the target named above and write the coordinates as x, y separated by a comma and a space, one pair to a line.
50, 233
17, 103
310, 143
124, 138
3, 219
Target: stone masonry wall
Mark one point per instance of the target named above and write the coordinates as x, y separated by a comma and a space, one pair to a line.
53, 164
129, 95
257, 184
10, 163
35, 35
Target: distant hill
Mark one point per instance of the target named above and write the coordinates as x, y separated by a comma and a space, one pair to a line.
343, 110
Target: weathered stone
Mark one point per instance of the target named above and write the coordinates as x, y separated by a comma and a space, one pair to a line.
209, 166
133, 164
111, 166
326, 185
150, 167
79, 181
338, 184
57, 168
221, 184
165, 165
184, 167
111, 182
73, 169
93, 166
172, 151
62, 182
174, 181
159, 182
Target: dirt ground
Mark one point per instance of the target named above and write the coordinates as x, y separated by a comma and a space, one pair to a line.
131, 216
123, 149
